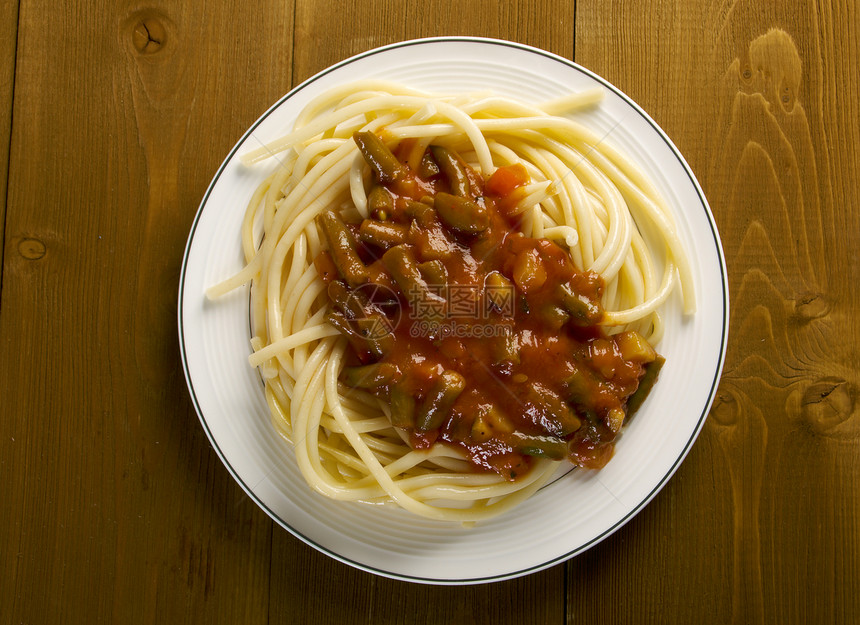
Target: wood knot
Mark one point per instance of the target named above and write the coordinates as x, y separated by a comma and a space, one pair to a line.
31, 249
810, 306
827, 403
149, 34
725, 409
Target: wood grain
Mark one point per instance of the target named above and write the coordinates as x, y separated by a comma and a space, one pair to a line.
8, 43
113, 119
367, 599
323, 37
793, 388
773, 518
117, 509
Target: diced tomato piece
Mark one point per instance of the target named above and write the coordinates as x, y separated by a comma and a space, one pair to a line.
505, 179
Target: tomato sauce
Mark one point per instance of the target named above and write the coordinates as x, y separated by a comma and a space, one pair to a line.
511, 316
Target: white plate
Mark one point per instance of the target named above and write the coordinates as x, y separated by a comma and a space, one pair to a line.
564, 518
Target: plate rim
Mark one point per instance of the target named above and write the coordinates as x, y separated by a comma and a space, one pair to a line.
634, 510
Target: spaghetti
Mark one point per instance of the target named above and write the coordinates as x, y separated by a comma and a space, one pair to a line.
578, 193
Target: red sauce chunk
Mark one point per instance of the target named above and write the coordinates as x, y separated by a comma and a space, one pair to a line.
477, 335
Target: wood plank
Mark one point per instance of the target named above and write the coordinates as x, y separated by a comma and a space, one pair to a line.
323, 38
763, 104
8, 43
363, 598
115, 507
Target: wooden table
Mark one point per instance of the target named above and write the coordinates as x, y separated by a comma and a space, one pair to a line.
115, 508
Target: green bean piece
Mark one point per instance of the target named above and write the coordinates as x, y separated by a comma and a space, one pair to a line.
559, 412
461, 214
581, 387
380, 202
428, 167
376, 331
434, 273
453, 169
652, 370
340, 322
540, 446
422, 212
369, 336
343, 250
369, 376
342, 325
350, 302
381, 160
367, 319
432, 242
382, 234
583, 311
402, 408
401, 264
555, 316
440, 400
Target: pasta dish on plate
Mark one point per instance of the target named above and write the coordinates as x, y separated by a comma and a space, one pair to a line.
453, 294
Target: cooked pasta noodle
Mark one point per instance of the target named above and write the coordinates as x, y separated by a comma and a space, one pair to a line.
582, 193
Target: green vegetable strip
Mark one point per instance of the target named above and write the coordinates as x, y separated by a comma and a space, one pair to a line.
402, 408
583, 311
645, 385
381, 160
453, 169
369, 376
461, 214
439, 401
401, 264
382, 234
343, 250
540, 446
